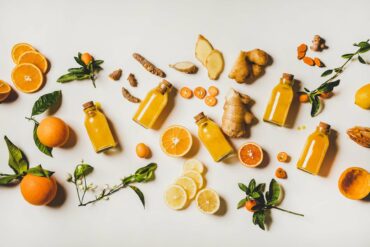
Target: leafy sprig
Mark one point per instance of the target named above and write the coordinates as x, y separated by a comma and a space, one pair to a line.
263, 202
20, 166
42, 104
329, 84
142, 175
86, 71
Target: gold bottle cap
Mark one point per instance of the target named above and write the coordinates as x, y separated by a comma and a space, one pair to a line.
199, 116
288, 77
167, 83
88, 105
324, 126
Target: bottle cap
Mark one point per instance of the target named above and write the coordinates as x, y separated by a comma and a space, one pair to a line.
324, 126
199, 116
88, 105
167, 83
288, 77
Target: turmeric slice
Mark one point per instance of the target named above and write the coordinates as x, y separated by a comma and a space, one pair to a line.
210, 100
127, 95
281, 173
200, 92
186, 93
302, 48
301, 55
149, 66
132, 80
116, 75
318, 62
309, 61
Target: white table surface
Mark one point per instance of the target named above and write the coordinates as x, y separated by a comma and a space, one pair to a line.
165, 32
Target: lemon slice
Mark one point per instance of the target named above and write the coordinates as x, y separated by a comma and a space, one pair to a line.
196, 176
175, 197
188, 185
193, 165
208, 201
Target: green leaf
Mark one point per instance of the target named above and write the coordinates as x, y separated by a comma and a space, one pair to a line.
82, 170
259, 219
315, 104
4, 180
361, 59
39, 171
139, 194
255, 195
241, 203
327, 72
243, 187
364, 49
79, 61
45, 102
73, 77
252, 185
272, 196
46, 150
261, 187
80, 70
17, 160
98, 62
327, 87
348, 55
363, 44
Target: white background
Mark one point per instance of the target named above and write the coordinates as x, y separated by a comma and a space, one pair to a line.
165, 32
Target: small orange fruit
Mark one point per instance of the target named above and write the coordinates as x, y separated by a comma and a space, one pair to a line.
86, 58
142, 150
213, 91
53, 132
250, 154
210, 100
281, 173
176, 141
5, 90
27, 77
303, 98
283, 157
200, 92
326, 95
354, 183
38, 190
19, 49
186, 92
35, 58
250, 204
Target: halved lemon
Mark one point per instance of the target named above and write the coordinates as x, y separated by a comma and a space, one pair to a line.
27, 77
193, 165
208, 201
196, 176
175, 197
188, 185
176, 141
35, 58
19, 49
5, 90
250, 154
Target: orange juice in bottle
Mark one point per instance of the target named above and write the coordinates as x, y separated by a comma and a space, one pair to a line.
98, 128
153, 105
212, 137
315, 149
280, 100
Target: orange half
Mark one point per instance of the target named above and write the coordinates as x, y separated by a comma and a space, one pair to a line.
250, 154
27, 77
19, 49
354, 183
176, 141
35, 58
5, 90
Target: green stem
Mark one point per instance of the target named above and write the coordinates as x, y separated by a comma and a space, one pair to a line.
4, 174
32, 119
121, 186
287, 211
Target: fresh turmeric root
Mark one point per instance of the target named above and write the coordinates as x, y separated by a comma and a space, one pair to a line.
149, 66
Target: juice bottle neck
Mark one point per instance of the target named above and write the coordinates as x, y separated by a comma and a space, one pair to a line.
164, 87
90, 111
323, 128
287, 79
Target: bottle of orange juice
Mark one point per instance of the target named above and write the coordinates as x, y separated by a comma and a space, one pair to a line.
212, 137
98, 128
153, 105
315, 149
280, 100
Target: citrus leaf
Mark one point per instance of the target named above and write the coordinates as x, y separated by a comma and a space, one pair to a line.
252, 185
82, 170
255, 195
259, 219
45, 102
17, 160
4, 180
241, 203
139, 194
272, 196
261, 187
40, 172
243, 187
364, 49
315, 104
44, 149
361, 59
79, 61
348, 55
363, 44
326, 72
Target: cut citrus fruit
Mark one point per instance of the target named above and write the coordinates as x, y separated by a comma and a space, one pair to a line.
188, 185
19, 49
35, 58
27, 77
175, 197
250, 154
197, 178
5, 90
193, 165
208, 201
354, 183
176, 141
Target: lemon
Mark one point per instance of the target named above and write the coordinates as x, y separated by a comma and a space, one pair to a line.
193, 165
175, 197
362, 97
188, 185
196, 176
208, 201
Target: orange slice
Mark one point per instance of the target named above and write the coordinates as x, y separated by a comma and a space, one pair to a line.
250, 154
5, 90
19, 49
176, 141
35, 58
27, 77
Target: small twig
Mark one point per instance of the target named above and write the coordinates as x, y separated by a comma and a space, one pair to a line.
287, 211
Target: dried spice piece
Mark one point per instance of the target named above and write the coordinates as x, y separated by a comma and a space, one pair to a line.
149, 66
309, 61
360, 135
301, 50
318, 43
281, 173
127, 95
186, 67
116, 75
132, 80
318, 62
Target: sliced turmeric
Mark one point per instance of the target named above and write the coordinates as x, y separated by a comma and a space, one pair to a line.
186, 93
309, 61
132, 80
281, 173
302, 48
210, 100
318, 62
200, 92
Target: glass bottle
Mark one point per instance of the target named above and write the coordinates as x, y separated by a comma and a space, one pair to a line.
98, 128
280, 100
212, 137
153, 105
315, 149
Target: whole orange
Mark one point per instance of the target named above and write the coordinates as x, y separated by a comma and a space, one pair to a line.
38, 190
53, 132
86, 58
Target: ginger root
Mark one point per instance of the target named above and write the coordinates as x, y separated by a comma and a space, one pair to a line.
236, 114
249, 64
185, 67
